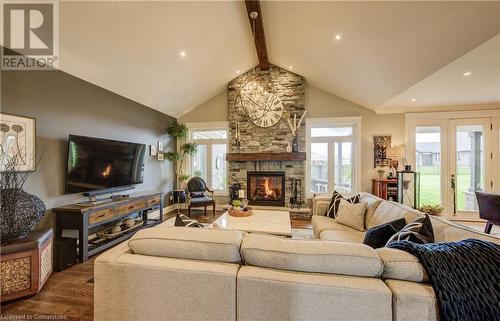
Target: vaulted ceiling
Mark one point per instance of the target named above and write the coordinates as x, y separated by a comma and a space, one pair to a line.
173, 56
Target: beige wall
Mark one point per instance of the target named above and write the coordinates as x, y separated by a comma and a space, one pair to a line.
320, 103
214, 109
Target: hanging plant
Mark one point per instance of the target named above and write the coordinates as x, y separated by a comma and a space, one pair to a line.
177, 130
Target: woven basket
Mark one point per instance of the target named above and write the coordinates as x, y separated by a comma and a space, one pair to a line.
240, 213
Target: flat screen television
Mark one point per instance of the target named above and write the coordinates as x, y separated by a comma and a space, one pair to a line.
96, 163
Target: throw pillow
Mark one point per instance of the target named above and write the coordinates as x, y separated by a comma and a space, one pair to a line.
183, 220
333, 208
418, 231
378, 236
352, 215
196, 194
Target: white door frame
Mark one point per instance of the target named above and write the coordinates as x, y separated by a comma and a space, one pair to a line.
487, 150
495, 161
411, 125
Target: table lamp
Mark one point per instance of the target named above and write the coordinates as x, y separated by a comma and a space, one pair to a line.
395, 153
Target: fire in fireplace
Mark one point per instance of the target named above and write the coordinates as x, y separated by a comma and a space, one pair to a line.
266, 188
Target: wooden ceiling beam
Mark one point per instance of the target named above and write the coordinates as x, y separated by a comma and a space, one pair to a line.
260, 39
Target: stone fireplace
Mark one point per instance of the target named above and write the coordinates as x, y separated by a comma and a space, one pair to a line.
289, 87
266, 188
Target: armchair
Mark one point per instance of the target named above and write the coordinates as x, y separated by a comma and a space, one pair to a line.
489, 209
196, 197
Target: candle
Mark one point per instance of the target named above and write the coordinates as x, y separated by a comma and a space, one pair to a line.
241, 193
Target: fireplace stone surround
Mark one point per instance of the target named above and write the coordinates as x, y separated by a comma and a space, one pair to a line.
290, 89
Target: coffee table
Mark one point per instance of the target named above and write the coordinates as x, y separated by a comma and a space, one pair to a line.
262, 221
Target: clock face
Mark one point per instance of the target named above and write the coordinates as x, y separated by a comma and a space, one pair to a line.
264, 108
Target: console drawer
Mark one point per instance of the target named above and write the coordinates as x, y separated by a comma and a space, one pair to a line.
152, 201
131, 207
101, 215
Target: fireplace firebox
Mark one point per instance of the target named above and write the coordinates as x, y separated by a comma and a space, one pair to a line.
266, 188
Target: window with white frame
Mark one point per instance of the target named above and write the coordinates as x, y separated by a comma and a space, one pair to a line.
333, 149
209, 162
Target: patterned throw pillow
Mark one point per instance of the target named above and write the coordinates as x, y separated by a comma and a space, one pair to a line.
196, 194
183, 220
418, 231
377, 236
333, 208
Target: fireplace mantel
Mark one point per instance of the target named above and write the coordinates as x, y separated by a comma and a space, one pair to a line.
265, 156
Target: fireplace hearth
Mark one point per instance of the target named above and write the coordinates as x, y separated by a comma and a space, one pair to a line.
266, 188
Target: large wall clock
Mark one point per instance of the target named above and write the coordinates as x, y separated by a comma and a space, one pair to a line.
262, 106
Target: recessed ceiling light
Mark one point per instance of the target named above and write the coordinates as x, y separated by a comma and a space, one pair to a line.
290, 67
237, 71
466, 73
413, 100
338, 36
182, 53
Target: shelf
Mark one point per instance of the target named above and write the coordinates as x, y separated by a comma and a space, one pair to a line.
265, 156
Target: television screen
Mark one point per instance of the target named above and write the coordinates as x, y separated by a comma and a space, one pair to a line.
96, 163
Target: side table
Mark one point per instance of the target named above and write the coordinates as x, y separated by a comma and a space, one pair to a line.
25, 265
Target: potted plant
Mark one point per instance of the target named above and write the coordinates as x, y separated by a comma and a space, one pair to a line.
435, 210
381, 172
237, 205
180, 131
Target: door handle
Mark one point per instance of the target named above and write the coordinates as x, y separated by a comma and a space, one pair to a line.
217, 163
454, 191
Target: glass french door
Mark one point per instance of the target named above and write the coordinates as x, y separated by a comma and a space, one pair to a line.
471, 152
495, 168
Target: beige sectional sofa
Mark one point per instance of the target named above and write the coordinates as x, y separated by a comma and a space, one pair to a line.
177, 273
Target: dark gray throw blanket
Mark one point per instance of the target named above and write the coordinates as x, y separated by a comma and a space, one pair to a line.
465, 276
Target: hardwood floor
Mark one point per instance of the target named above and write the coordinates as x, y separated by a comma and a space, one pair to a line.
69, 295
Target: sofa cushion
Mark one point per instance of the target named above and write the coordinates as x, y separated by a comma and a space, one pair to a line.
310, 256
371, 206
378, 236
352, 215
401, 265
188, 243
201, 200
418, 231
390, 211
413, 301
351, 236
447, 231
333, 207
323, 223
275, 295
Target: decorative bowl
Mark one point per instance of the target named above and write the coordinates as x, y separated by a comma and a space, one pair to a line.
236, 213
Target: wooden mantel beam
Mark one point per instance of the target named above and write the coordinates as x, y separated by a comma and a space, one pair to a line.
260, 39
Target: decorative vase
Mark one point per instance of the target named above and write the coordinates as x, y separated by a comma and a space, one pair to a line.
20, 213
295, 145
288, 148
179, 196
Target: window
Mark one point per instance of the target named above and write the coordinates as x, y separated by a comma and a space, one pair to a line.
332, 149
209, 162
428, 163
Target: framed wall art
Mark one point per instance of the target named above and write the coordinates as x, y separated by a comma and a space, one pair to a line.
380, 144
18, 138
